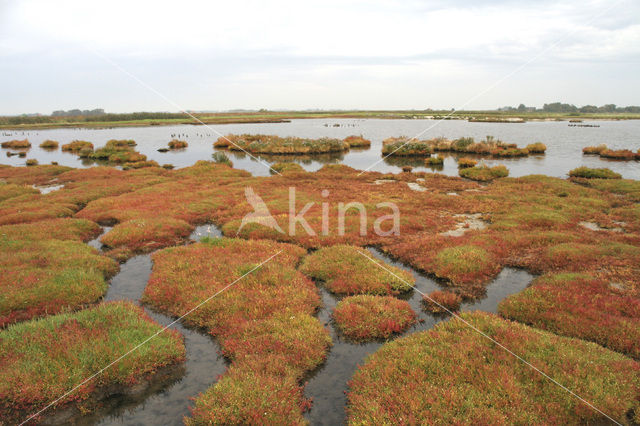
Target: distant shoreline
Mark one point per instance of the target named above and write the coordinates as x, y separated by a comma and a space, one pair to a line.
287, 116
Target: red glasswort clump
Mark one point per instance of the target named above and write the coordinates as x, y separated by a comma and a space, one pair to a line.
367, 317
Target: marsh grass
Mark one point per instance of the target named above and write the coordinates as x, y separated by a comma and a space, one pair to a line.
49, 144
76, 146
484, 173
430, 377
345, 270
586, 172
271, 144
367, 317
16, 144
177, 144
43, 359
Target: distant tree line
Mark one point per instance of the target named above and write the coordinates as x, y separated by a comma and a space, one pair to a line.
558, 107
77, 112
62, 116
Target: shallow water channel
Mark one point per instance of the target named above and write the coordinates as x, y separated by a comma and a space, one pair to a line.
326, 385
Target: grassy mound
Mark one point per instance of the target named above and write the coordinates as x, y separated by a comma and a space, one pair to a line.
263, 322
49, 276
403, 146
452, 374
357, 141
611, 154
77, 146
345, 270
177, 144
536, 148
43, 359
49, 144
594, 150
366, 317
16, 144
146, 235
271, 144
587, 173
577, 305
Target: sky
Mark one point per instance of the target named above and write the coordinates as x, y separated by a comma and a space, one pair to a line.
132, 55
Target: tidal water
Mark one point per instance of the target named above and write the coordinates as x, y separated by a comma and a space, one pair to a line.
564, 143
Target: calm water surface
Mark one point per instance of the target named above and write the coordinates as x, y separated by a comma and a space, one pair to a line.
563, 154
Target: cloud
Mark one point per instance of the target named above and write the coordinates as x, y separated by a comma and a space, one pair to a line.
202, 50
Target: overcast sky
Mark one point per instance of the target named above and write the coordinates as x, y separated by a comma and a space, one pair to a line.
208, 55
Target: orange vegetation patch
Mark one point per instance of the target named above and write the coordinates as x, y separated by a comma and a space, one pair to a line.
452, 374
145, 235
366, 317
263, 322
177, 144
441, 301
33, 175
357, 141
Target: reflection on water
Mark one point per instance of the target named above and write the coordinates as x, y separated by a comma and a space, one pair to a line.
564, 143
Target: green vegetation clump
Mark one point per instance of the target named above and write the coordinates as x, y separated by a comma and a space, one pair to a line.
271, 144
49, 144
16, 144
587, 173
349, 270
286, 167
76, 146
221, 158
140, 164
32, 162
177, 144
404, 146
467, 263
366, 317
43, 359
453, 374
484, 173
441, 301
